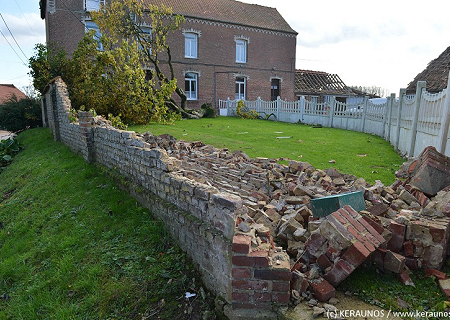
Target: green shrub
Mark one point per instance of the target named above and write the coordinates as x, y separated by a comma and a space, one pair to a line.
16, 114
8, 149
244, 113
209, 111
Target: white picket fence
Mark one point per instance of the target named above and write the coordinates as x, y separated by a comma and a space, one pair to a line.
409, 123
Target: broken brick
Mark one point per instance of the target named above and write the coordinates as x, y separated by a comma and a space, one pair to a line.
394, 262
398, 230
322, 290
444, 284
405, 278
339, 272
435, 273
241, 244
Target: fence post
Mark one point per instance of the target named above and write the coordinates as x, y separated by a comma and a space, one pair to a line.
228, 107
399, 117
278, 107
302, 108
258, 105
366, 103
443, 132
389, 116
421, 85
330, 119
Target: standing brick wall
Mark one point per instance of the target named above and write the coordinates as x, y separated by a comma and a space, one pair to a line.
201, 218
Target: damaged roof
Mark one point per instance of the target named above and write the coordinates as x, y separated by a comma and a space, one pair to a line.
435, 74
229, 11
308, 82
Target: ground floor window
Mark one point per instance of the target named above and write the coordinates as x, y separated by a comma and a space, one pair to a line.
275, 89
190, 85
241, 89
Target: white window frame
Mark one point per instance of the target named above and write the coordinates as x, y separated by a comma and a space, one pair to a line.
241, 86
93, 5
241, 50
91, 25
191, 45
146, 30
191, 81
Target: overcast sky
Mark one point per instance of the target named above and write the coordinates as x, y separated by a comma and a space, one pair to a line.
378, 43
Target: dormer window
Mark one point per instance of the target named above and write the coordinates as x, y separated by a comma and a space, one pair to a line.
93, 5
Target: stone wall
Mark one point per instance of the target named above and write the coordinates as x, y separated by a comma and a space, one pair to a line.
201, 216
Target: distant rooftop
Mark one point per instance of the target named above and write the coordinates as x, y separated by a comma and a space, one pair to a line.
7, 91
309, 82
229, 11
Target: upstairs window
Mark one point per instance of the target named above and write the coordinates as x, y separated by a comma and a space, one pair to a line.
93, 5
190, 85
190, 45
241, 51
241, 88
146, 35
91, 25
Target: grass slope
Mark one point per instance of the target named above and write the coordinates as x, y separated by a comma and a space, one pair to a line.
74, 246
360, 154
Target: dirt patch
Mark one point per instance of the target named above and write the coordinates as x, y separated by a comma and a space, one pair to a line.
348, 304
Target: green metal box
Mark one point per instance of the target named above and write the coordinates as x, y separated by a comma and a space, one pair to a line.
322, 207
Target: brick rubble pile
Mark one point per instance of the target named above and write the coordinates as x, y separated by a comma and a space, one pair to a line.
404, 227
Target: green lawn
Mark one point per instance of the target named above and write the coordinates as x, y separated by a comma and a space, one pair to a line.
74, 246
361, 154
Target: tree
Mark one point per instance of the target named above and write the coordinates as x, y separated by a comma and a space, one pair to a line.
112, 81
124, 19
48, 62
373, 90
17, 114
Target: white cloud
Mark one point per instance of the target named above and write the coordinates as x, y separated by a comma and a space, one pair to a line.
27, 29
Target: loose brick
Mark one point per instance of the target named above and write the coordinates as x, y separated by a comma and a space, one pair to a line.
394, 262
324, 262
398, 230
435, 273
413, 264
405, 278
322, 289
445, 287
408, 246
339, 272
241, 244
378, 257
314, 242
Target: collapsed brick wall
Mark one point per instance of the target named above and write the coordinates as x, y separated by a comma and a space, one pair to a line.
226, 211
200, 216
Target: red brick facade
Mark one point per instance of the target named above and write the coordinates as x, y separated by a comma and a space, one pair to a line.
270, 53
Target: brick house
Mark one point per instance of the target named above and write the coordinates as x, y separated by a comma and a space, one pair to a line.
225, 48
